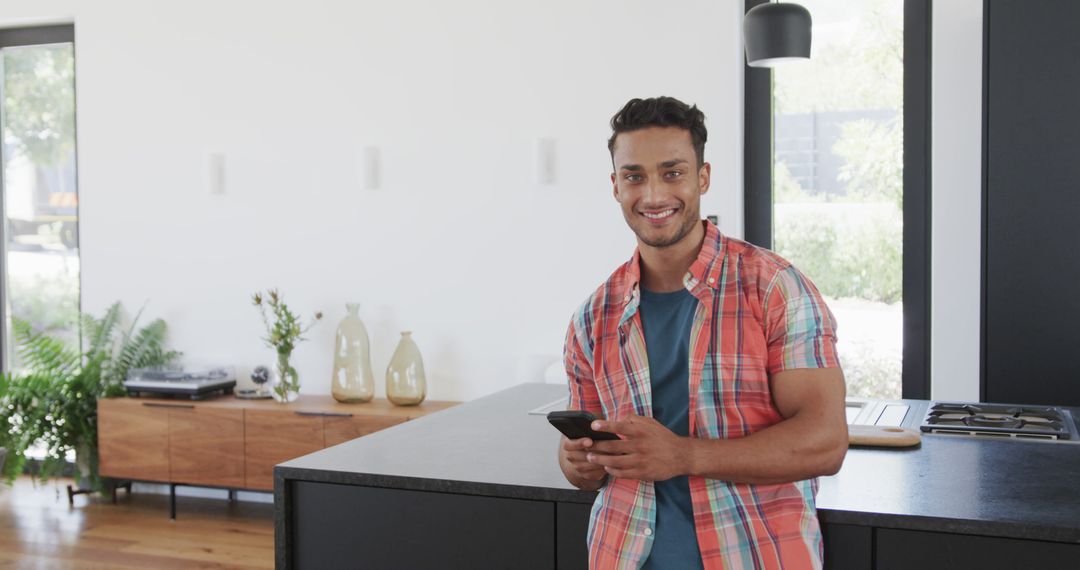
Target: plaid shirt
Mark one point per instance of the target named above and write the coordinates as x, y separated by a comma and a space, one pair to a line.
757, 315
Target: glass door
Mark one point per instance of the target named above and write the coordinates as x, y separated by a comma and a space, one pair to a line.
40, 199
838, 180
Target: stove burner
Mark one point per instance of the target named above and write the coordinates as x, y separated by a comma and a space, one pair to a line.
957, 408
999, 419
993, 421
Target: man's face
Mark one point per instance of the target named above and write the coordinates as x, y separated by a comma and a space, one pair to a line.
658, 184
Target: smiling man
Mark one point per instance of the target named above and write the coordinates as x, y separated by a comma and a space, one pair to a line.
714, 361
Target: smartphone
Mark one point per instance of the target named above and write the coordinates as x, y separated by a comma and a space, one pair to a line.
576, 424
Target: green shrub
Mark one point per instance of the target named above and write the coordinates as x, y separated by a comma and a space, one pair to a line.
870, 372
847, 250
53, 401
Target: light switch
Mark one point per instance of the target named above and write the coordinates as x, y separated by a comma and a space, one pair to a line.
217, 173
545, 161
368, 168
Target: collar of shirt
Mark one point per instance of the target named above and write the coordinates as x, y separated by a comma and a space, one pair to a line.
705, 269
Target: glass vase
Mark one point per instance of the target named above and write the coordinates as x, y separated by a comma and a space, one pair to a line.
287, 384
83, 472
406, 384
353, 381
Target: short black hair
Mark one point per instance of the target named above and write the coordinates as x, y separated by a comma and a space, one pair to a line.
660, 112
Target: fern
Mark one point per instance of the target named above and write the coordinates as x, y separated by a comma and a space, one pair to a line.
145, 348
98, 334
43, 354
53, 402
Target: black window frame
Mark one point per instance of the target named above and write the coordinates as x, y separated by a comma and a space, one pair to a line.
757, 184
17, 37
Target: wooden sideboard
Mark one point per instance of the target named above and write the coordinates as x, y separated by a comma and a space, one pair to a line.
228, 442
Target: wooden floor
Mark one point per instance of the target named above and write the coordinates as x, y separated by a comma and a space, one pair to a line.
39, 530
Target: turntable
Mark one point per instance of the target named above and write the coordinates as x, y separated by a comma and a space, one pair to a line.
193, 384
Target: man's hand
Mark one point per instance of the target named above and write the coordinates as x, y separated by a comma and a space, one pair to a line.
648, 451
576, 467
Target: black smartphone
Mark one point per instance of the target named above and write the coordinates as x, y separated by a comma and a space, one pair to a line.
576, 424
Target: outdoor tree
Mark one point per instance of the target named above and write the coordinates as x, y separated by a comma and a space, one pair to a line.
39, 102
848, 237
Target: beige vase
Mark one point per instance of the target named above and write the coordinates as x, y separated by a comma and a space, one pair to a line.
406, 384
353, 380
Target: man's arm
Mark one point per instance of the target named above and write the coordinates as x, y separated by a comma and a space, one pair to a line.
810, 441
583, 396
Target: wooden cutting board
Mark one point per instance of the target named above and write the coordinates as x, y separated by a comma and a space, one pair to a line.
883, 436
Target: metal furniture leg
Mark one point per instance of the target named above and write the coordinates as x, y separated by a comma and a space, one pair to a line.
116, 484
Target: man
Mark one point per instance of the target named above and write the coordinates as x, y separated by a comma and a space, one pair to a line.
714, 361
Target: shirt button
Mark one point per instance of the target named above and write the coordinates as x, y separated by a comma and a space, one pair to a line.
712, 280
648, 532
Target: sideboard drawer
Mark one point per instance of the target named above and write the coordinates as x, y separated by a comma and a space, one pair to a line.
339, 429
133, 440
272, 437
206, 446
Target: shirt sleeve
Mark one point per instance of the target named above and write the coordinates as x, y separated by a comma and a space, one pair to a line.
799, 327
579, 375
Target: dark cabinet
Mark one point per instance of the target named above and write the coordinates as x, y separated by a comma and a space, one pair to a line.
906, 549
344, 526
1031, 202
848, 547
332, 526
572, 529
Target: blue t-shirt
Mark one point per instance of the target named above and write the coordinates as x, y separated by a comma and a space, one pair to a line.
666, 319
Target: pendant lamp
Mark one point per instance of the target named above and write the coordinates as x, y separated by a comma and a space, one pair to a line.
775, 33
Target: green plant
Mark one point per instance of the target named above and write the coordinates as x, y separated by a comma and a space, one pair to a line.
39, 102
48, 301
871, 371
282, 335
848, 250
873, 153
52, 402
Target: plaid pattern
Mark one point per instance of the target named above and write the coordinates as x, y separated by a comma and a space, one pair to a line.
757, 315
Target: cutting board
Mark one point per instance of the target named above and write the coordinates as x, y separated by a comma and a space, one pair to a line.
883, 436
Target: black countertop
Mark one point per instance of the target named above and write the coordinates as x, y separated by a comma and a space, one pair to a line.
493, 447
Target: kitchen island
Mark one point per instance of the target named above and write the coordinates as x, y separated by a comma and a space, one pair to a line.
478, 486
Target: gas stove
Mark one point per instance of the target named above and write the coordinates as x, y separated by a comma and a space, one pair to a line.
1005, 421
1040, 423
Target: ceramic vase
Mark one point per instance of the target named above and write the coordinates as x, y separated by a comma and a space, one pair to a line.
353, 380
406, 384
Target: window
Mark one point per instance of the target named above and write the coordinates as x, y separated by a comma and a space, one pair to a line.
40, 259
836, 186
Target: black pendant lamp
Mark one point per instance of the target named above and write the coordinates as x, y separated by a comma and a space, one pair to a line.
775, 33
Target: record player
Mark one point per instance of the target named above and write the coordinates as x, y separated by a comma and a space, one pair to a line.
193, 384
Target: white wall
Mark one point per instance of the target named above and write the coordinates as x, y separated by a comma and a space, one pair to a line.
956, 186
459, 244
